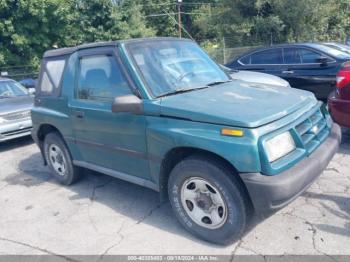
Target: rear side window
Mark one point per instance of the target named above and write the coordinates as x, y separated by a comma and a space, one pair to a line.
292, 56
51, 76
101, 79
266, 57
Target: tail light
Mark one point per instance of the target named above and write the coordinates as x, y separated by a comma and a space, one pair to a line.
343, 76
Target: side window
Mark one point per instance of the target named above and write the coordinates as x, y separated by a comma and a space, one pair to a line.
292, 56
267, 57
308, 56
100, 79
52, 72
245, 60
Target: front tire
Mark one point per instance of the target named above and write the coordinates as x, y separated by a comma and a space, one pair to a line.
59, 160
207, 199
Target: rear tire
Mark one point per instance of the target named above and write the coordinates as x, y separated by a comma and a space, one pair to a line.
208, 200
59, 159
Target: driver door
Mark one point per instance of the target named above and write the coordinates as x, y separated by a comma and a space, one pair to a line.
105, 139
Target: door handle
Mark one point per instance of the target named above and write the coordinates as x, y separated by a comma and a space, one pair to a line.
79, 114
288, 72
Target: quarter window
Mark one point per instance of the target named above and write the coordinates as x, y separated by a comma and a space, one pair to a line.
46, 85
100, 79
245, 60
51, 76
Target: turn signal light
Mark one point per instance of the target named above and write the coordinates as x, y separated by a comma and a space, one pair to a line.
231, 132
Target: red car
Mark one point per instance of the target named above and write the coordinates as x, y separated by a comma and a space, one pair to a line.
339, 100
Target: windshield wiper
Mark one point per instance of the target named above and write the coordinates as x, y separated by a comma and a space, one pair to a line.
214, 83
183, 90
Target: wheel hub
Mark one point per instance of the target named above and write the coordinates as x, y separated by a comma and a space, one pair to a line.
203, 203
57, 159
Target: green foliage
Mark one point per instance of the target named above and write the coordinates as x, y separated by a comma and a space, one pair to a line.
158, 15
29, 27
252, 22
101, 20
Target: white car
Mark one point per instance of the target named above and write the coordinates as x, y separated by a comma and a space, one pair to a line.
173, 68
256, 77
338, 46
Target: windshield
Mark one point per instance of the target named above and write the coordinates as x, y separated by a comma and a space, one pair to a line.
11, 89
171, 65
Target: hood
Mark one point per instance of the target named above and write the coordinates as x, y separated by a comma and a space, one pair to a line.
257, 77
15, 104
237, 103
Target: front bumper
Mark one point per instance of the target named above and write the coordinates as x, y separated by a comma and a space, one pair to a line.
16, 129
270, 193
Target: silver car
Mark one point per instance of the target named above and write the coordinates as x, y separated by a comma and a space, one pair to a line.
338, 46
256, 77
15, 106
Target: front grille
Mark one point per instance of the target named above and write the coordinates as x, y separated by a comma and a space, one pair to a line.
16, 115
313, 131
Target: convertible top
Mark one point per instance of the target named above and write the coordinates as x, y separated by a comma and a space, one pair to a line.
70, 50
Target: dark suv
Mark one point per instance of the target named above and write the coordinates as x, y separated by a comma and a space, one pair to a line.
160, 113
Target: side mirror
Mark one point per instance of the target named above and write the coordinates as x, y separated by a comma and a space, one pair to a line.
322, 60
128, 103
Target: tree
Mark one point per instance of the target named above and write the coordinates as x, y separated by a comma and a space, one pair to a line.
252, 22
159, 15
28, 28
136, 21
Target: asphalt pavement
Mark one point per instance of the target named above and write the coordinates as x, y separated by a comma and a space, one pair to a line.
102, 215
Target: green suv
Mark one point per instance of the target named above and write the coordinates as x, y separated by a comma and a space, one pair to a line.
160, 113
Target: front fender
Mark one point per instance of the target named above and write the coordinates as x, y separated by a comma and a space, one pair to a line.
165, 134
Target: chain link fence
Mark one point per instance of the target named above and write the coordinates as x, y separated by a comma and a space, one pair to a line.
19, 72
225, 55
227, 48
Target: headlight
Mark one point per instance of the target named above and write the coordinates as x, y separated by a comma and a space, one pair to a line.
279, 146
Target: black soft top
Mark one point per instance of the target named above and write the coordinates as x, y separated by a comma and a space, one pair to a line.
70, 50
